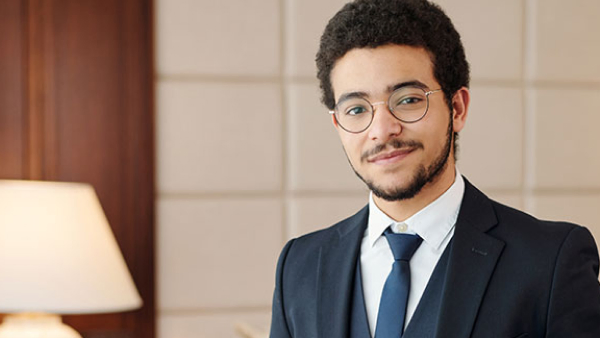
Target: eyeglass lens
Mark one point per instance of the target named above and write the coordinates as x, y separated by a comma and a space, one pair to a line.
408, 104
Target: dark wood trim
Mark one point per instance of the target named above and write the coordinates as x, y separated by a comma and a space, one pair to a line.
76, 104
139, 94
40, 118
12, 88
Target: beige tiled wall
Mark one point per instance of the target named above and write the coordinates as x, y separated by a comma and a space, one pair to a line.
247, 156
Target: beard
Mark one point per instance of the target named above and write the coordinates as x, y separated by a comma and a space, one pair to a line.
422, 176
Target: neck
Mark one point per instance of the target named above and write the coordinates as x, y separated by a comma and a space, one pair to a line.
402, 210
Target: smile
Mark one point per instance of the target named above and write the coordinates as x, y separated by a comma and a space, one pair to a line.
391, 157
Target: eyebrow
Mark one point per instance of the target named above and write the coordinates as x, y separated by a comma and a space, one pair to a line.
364, 95
413, 83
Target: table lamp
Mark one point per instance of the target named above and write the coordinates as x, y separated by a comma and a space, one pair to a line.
57, 256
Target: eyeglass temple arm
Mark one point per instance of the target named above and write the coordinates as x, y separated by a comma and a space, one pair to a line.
433, 91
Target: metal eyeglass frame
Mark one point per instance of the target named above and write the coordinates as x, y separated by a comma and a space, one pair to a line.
427, 93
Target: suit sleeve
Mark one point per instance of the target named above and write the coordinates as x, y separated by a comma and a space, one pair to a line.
574, 309
279, 327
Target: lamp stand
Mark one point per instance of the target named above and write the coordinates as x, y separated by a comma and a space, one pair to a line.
36, 325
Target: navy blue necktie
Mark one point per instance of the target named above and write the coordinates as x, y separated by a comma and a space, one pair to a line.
392, 307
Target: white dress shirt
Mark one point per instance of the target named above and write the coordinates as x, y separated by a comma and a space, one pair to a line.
434, 223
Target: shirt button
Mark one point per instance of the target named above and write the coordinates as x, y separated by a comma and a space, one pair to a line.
402, 227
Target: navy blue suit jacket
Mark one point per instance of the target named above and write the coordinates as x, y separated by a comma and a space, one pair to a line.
509, 275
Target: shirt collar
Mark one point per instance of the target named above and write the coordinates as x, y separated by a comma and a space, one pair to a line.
432, 223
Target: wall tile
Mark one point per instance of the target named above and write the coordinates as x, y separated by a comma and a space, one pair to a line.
316, 159
567, 142
491, 144
210, 141
206, 259
567, 46
580, 208
234, 37
492, 32
307, 214
305, 21
207, 325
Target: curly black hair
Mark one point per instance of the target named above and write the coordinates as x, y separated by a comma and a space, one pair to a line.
373, 23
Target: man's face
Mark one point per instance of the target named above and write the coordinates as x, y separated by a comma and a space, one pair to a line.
395, 159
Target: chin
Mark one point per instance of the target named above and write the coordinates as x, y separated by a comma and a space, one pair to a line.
398, 190
398, 193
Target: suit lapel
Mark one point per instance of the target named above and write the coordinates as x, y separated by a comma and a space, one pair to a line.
337, 265
472, 260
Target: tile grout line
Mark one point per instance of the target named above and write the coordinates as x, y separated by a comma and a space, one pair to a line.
219, 78
522, 90
524, 112
212, 310
529, 104
261, 194
253, 79
285, 142
356, 193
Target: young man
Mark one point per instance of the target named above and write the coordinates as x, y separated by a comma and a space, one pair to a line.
430, 256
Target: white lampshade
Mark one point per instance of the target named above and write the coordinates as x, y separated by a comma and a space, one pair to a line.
58, 253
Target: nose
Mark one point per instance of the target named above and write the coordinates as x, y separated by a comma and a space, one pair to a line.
384, 125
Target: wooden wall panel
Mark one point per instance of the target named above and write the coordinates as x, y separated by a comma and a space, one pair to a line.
103, 85
76, 104
11, 89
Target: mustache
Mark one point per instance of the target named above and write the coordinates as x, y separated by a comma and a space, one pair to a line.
393, 144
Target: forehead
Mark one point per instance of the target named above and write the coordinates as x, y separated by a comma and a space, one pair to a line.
375, 70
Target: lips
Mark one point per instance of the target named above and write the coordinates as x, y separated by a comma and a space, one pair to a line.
391, 156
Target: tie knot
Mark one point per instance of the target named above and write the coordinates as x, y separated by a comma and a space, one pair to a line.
403, 245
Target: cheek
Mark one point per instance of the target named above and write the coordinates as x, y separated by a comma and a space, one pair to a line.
432, 135
352, 146
435, 127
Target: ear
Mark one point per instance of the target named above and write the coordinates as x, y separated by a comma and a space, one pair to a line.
460, 108
334, 121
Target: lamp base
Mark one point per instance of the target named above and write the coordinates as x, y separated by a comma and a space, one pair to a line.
36, 325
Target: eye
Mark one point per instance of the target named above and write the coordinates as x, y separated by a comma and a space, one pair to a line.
408, 100
355, 110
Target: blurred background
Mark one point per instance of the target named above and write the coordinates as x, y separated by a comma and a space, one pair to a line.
199, 124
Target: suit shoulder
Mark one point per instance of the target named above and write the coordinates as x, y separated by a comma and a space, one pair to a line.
508, 221
518, 227
299, 258
340, 228
543, 244
306, 248
509, 215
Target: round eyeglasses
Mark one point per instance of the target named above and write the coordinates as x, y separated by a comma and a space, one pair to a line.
408, 104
